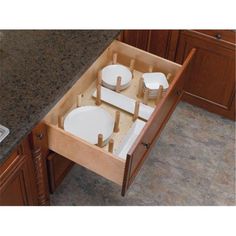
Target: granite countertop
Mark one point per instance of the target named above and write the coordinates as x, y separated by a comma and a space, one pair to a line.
36, 69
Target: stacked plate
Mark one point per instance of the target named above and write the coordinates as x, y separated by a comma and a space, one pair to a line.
88, 122
153, 81
112, 72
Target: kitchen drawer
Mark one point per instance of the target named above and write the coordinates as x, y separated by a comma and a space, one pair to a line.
99, 160
220, 35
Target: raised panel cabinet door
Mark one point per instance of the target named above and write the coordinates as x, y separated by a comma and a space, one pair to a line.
17, 179
211, 82
163, 43
136, 38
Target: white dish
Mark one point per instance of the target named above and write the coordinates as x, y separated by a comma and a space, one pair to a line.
154, 80
87, 122
123, 102
130, 138
114, 87
110, 74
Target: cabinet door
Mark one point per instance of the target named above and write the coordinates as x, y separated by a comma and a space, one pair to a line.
136, 38
17, 180
163, 43
211, 82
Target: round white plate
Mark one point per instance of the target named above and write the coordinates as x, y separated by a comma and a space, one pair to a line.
154, 80
110, 74
88, 121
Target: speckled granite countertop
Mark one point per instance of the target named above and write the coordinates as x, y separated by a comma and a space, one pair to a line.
36, 69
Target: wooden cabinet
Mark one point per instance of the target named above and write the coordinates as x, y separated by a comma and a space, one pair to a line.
162, 43
211, 81
58, 167
39, 149
50, 168
17, 178
136, 38
28, 172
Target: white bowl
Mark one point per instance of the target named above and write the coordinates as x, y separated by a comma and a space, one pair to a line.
87, 122
154, 80
110, 74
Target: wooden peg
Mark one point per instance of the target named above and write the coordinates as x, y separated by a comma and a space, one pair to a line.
100, 140
111, 145
118, 84
117, 122
140, 88
78, 100
136, 110
61, 122
98, 98
131, 65
159, 94
146, 96
169, 78
114, 58
99, 79
150, 68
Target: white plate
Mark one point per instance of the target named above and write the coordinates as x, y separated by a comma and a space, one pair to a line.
124, 103
130, 138
154, 80
110, 74
87, 122
114, 87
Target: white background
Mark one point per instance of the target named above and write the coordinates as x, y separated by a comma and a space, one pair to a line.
112, 221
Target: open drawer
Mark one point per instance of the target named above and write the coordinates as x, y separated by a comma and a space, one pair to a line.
109, 165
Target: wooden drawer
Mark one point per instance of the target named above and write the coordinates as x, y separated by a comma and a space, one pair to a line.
220, 35
97, 159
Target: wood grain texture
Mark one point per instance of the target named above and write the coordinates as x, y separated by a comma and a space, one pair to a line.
221, 35
136, 38
117, 122
39, 146
159, 42
111, 145
211, 81
58, 167
17, 178
85, 154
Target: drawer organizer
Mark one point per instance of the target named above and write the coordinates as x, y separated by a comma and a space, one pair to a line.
107, 161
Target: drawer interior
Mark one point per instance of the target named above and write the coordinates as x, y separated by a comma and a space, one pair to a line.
90, 156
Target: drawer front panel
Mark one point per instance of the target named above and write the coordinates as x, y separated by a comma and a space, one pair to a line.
154, 126
85, 154
225, 35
